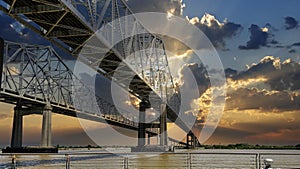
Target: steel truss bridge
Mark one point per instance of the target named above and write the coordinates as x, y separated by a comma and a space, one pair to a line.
36, 79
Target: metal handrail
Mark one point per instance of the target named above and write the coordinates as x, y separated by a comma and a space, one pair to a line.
187, 160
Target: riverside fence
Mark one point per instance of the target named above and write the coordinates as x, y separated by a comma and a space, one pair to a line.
190, 160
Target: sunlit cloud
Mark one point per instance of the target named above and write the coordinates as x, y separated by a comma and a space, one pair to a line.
276, 61
171, 13
265, 29
215, 30
249, 93
247, 83
187, 54
209, 20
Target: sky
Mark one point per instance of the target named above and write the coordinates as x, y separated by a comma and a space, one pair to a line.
258, 43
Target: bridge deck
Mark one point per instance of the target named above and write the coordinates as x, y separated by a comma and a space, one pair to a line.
55, 20
62, 24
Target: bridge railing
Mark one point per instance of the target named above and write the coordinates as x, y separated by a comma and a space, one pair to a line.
186, 160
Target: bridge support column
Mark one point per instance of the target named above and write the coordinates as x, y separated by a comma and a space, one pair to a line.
46, 126
148, 141
142, 128
163, 127
17, 131
191, 140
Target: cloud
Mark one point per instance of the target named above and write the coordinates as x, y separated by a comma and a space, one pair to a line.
174, 7
253, 98
290, 23
268, 85
199, 73
296, 44
253, 126
258, 38
280, 75
292, 51
215, 30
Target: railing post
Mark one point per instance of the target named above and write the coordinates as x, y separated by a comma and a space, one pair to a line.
13, 161
68, 161
258, 161
189, 161
125, 166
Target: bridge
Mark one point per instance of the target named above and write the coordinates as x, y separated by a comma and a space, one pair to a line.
36, 79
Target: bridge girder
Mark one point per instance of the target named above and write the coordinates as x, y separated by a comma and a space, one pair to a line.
71, 23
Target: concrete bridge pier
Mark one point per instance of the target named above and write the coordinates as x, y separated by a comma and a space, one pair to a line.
17, 131
163, 126
46, 126
149, 138
191, 140
142, 128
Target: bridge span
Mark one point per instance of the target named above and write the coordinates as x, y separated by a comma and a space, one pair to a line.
44, 81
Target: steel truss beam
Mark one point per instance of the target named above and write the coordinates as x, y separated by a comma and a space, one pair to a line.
70, 24
35, 75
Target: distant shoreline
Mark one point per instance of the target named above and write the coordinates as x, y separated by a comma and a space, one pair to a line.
240, 146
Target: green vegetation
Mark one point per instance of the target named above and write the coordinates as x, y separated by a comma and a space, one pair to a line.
248, 146
229, 146
78, 147
66, 147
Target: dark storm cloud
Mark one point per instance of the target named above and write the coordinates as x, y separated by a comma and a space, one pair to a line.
274, 42
194, 81
278, 90
258, 38
195, 73
217, 32
230, 72
280, 75
290, 23
252, 98
173, 6
279, 46
296, 44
